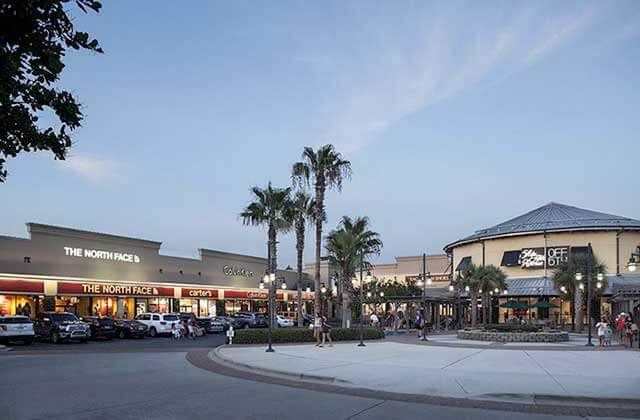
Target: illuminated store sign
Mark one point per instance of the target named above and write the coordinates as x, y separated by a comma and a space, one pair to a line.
535, 257
200, 293
230, 270
100, 254
113, 289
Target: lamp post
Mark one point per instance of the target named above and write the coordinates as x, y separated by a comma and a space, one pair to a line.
634, 260
589, 279
423, 280
362, 281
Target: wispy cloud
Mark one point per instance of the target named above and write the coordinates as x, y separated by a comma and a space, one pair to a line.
93, 169
389, 75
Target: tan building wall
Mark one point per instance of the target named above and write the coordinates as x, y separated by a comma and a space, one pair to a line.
603, 243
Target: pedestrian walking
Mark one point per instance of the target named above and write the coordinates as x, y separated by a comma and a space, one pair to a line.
419, 324
627, 331
608, 332
192, 324
326, 332
601, 328
176, 331
317, 329
620, 326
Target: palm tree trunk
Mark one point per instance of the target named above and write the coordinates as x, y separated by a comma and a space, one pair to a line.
318, 217
578, 310
474, 309
300, 250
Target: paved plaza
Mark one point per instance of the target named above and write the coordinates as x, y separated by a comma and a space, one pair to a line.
445, 371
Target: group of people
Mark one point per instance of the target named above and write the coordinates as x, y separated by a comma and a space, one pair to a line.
322, 331
184, 328
624, 326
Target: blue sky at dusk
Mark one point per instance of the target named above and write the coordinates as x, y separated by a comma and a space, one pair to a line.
455, 116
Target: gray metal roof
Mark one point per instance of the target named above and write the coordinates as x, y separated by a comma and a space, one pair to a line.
550, 217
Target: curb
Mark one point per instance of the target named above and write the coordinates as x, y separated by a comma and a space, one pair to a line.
216, 357
540, 404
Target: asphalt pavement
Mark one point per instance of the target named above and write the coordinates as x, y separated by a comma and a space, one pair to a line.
164, 385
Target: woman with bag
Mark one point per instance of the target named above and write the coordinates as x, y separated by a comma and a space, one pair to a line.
326, 332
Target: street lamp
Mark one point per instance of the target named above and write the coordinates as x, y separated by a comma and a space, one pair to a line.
634, 260
423, 280
362, 280
581, 286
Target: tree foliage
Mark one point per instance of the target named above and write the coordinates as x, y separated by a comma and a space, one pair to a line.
326, 169
34, 38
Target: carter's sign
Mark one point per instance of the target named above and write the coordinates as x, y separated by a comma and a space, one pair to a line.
101, 254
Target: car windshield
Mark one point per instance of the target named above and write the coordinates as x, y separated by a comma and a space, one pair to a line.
170, 318
63, 317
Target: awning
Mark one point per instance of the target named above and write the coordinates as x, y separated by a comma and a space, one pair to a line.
543, 304
463, 264
531, 287
514, 304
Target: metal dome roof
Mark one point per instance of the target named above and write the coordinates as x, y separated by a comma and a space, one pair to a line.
553, 217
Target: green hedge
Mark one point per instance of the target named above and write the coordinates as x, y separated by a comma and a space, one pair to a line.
302, 335
512, 328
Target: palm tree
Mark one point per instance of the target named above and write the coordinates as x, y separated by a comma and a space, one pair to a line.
490, 278
469, 281
564, 279
303, 211
349, 246
271, 208
326, 169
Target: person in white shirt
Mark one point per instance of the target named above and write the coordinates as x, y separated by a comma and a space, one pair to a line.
601, 328
374, 319
317, 329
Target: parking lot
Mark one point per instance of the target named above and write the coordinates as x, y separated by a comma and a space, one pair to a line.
120, 345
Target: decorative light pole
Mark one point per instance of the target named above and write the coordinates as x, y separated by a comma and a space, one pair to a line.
600, 278
423, 280
269, 280
362, 281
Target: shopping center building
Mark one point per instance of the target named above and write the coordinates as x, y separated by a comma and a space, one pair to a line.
528, 248
86, 273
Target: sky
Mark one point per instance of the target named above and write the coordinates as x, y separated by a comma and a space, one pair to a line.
455, 116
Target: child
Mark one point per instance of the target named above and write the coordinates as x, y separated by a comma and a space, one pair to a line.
176, 330
608, 332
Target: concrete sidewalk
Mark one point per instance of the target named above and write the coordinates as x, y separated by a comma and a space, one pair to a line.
504, 375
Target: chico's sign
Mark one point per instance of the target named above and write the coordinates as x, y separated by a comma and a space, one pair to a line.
113, 289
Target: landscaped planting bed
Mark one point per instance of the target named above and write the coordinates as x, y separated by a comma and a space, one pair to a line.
514, 336
302, 335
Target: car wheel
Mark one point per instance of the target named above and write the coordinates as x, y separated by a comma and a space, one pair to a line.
55, 338
246, 326
28, 341
153, 332
84, 340
121, 334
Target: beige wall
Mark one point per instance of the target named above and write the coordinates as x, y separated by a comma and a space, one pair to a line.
603, 243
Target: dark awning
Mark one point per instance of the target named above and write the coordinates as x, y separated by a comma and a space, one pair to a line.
463, 264
510, 258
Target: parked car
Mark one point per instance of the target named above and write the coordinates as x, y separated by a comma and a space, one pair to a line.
130, 328
16, 328
307, 319
283, 321
61, 326
158, 323
211, 325
250, 320
226, 322
100, 327
204, 324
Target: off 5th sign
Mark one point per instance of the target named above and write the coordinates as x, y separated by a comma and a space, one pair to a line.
100, 254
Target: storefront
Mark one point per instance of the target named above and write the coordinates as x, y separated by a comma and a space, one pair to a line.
88, 273
529, 248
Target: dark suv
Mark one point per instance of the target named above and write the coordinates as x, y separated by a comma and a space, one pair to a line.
250, 320
60, 326
101, 327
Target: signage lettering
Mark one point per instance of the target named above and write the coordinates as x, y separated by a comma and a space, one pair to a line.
99, 254
113, 289
230, 270
199, 293
535, 257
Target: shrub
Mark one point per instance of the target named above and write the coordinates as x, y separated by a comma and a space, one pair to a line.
302, 335
512, 328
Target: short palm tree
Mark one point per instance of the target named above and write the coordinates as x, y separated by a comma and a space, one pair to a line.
327, 170
271, 207
564, 279
469, 281
490, 279
349, 246
303, 211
